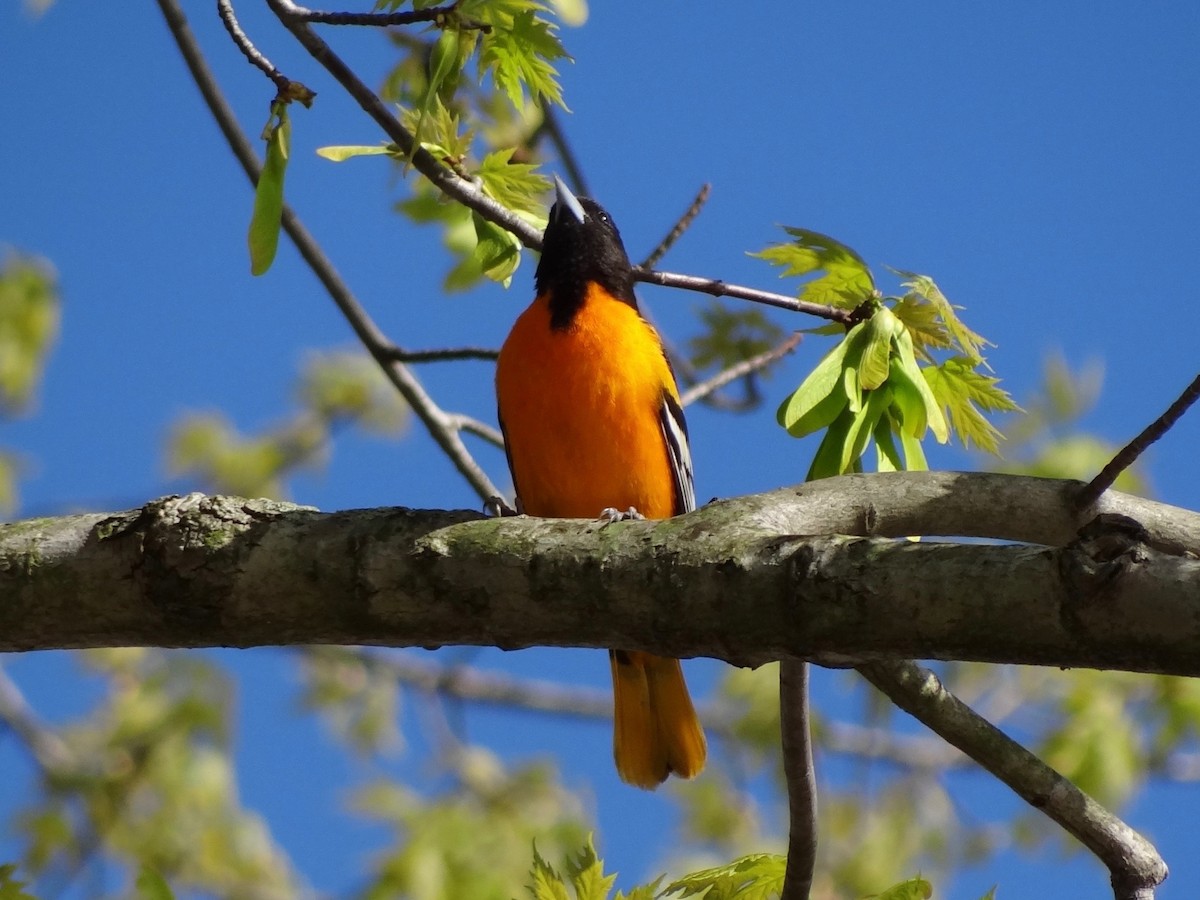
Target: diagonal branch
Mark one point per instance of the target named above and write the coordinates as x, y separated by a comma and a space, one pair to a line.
1135, 448
739, 370
1134, 864
381, 349
677, 230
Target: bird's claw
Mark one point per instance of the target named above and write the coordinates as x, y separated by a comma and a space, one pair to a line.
612, 514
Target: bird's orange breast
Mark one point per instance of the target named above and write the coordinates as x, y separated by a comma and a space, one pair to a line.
581, 410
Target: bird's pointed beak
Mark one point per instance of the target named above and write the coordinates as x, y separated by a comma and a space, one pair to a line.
566, 201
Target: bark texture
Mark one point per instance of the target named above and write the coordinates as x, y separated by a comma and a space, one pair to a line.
813, 571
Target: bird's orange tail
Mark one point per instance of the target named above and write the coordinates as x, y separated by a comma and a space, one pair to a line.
656, 731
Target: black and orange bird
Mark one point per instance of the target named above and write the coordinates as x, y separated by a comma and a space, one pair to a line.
592, 422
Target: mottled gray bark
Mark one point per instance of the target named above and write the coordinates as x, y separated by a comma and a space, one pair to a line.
746, 580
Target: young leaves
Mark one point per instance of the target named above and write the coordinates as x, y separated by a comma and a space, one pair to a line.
519, 50
872, 385
755, 877
263, 236
845, 281
585, 874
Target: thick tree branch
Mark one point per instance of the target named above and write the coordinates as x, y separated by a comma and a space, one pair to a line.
204, 572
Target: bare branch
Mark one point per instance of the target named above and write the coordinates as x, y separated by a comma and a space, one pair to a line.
252, 53
460, 422
48, 750
1134, 864
405, 17
800, 777
680, 226
717, 288
447, 354
1135, 448
463, 190
377, 344
739, 370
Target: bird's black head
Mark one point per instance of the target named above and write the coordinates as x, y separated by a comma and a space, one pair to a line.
581, 246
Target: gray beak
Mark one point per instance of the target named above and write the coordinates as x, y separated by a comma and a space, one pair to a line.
567, 201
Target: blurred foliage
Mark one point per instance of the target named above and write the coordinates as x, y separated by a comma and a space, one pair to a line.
146, 778
473, 840
336, 389
29, 317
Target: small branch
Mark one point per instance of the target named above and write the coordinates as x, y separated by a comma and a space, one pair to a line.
800, 777
460, 422
446, 354
410, 17
716, 288
463, 190
380, 348
49, 751
1135, 448
680, 227
252, 53
739, 370
1134, 864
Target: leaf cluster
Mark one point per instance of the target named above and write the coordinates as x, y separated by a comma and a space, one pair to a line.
881, 383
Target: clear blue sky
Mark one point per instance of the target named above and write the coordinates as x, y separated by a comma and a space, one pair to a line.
1038, 160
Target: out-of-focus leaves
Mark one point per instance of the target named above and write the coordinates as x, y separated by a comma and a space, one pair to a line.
358, 699
29, 318
474, 840
152, 886
347, 386
731, 335
912, 889
10, 887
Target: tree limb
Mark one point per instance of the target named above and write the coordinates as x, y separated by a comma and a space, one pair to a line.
203, 571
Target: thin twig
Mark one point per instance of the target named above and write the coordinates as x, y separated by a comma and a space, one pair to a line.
800, 777
717, 288
460, 422
739, 370
252, 53
679, 228
1135, 448
446, 354
1134, 864
463, 190
380, 348
469, 194
408, 17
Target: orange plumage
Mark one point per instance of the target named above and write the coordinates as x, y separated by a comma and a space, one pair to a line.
591, 418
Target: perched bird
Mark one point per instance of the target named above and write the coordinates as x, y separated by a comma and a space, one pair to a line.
592, 423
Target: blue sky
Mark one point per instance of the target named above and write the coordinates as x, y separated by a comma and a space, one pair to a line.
1038, 161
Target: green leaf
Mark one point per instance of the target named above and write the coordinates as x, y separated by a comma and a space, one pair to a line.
827, 461
263, 236
877, 348
819, 398
498, 252
731, 335
922, 287
887, 454
152, 886
515, 185
861, 428
914, 453
544, 881
755, 877
961, 390
10, 888
642, 891
519, 52
587, 874
846, 281
911, 372
341, 153
913, 889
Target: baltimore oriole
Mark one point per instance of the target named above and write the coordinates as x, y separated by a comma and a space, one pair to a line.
592, 422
